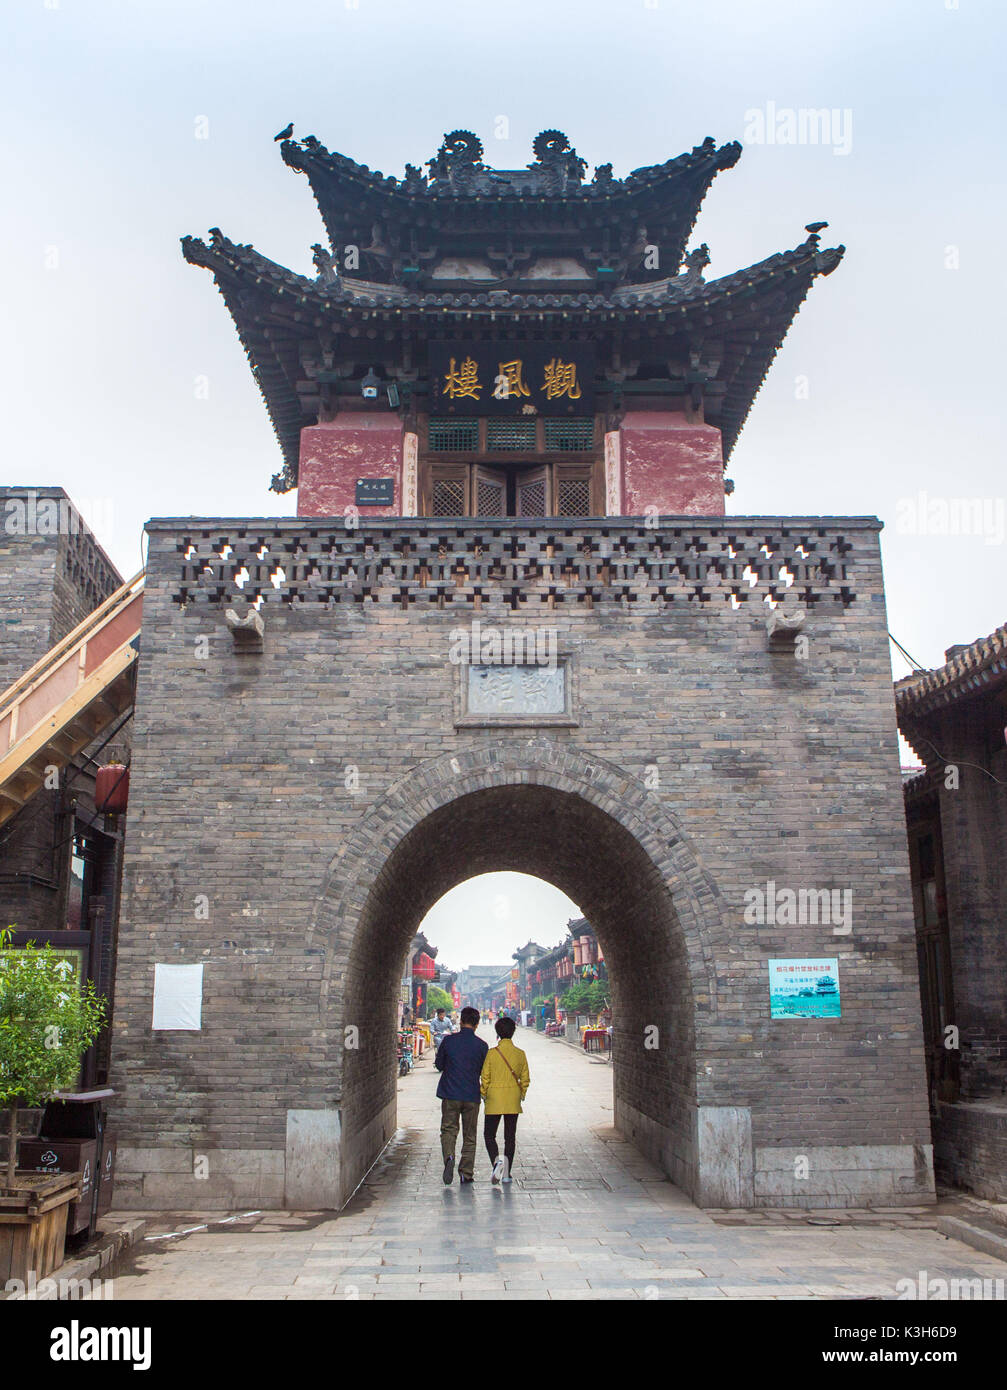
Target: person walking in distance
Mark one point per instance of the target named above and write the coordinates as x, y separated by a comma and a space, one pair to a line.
504, 1085
459, 1060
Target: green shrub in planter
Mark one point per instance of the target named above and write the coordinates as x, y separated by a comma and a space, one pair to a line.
47, 1023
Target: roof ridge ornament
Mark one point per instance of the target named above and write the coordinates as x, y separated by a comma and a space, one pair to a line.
458, 158
553, 151
695, 263
325, 264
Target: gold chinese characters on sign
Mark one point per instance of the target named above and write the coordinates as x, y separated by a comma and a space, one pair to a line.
510, 381
508, 378
559, 379
463, 381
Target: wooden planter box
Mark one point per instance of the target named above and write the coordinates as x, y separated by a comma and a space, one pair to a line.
33, 1224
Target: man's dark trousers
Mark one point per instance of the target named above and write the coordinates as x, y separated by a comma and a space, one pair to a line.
467, 1111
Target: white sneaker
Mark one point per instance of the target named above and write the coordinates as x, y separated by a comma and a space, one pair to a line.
505, 1177
499, 1169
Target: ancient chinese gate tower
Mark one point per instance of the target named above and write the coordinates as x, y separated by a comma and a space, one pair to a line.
546, 345
508, 397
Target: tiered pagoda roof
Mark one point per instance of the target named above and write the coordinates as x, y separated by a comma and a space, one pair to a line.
464, 207
470, 253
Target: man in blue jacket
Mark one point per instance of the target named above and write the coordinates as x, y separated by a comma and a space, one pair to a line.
460, 1062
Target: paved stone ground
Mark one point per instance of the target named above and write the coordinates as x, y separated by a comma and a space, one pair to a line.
586, 1217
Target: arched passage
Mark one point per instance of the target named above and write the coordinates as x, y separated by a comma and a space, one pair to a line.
581, 824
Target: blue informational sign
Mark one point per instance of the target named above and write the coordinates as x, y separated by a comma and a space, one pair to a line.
804, 988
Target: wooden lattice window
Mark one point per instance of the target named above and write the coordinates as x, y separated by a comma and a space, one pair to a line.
570, 435
573, 496
453, 436
448, 497
532, 492
511, 435
523, 466
490, 491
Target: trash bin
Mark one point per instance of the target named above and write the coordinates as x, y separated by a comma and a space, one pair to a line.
54, 1156
77, 1119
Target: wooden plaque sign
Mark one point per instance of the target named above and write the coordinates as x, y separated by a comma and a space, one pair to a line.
516, 379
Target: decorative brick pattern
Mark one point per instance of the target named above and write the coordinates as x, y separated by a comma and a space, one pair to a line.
561, 563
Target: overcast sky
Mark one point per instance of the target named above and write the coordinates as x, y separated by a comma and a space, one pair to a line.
484, 920
890, 383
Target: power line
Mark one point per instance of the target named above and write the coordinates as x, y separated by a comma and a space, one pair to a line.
916, 665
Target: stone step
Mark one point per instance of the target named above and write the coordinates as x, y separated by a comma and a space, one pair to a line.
980, 1237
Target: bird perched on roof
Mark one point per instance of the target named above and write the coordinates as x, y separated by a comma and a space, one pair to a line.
285, 133
815, 227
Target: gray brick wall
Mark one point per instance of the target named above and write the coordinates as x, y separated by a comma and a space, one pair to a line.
702, 763
49, 581
970, 1147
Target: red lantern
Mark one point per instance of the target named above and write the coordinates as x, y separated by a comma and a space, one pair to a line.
111, 789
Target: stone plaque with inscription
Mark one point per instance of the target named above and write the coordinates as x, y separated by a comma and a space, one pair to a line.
525, 690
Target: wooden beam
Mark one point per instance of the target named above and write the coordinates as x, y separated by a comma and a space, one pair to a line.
65, 716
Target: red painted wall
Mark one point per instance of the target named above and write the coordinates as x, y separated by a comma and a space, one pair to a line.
670, 464
665, 463
335, 454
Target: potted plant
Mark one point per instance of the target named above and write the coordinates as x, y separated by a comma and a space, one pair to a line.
47, 1023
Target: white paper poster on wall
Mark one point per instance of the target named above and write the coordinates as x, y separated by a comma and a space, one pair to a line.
178, 997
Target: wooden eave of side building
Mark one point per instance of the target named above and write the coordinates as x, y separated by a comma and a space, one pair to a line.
977, 671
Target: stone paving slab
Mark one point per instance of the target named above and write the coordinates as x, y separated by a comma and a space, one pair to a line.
586, 1218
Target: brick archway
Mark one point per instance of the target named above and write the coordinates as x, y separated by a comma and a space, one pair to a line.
534, 806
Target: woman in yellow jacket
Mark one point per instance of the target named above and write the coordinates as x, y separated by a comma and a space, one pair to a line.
504, 1085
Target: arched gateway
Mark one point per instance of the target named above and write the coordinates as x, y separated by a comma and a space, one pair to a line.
511, 627
537, 807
